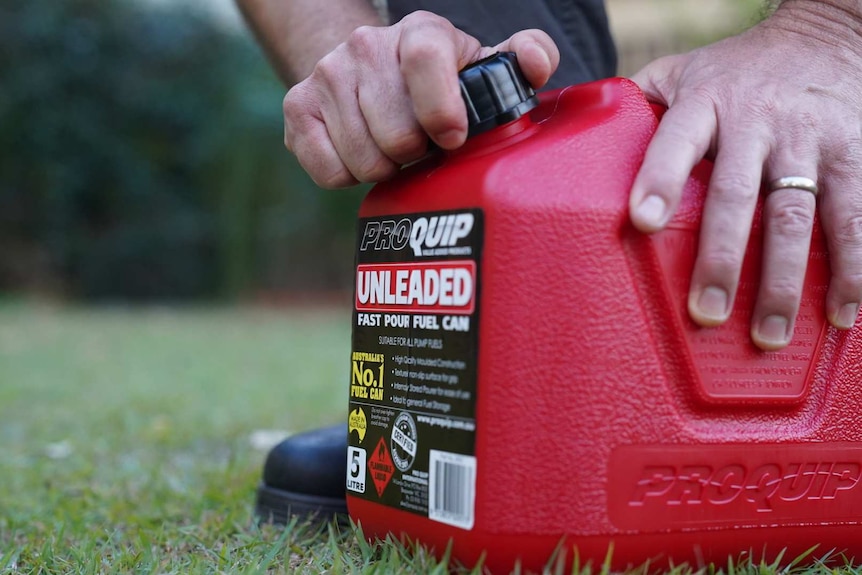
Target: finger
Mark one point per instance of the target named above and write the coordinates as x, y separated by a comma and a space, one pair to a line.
352, 139
346, 125
725, 226
319, 158
386, 107
391, 123
305, 134
382, 95
683, 137
431, 51
788, 218
538, 55
841, 215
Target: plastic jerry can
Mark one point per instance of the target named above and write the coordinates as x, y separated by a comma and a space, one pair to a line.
525, 377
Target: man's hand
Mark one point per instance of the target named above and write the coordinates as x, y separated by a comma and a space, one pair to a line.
783, 99
371, 104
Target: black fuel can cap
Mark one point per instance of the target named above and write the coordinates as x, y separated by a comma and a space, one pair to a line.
495, 92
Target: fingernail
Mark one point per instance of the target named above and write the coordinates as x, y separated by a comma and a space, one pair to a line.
773, 330
651, 211
847, 316
712, 303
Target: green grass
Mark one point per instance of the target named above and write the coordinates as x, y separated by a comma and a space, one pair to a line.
124, 442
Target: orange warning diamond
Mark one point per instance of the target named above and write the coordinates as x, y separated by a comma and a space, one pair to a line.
381, 467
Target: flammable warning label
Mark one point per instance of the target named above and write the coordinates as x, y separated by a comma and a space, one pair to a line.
367, 379
381, 467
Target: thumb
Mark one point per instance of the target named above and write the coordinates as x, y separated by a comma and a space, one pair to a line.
430, 53
538, 56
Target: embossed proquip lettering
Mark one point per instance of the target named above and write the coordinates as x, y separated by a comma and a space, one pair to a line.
703, 484
773, 484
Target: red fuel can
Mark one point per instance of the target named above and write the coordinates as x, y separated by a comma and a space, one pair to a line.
525, 377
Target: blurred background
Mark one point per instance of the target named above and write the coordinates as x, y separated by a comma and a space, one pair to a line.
141, 156
141, 160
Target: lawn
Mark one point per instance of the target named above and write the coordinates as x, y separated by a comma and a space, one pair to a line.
130, 440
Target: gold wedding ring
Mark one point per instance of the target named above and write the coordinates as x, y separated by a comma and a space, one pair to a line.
794, 183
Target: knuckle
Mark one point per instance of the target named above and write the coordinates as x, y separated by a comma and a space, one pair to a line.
404, 144
332, 179
702, 95
766, 106
781, 293
328, 69
424, 18
423, 42
734, 187
793, 220
327, 171
720, 261
848, 233
293, 104
417, 52
684, 139
363, 40
807, 120
298, 116
844, 156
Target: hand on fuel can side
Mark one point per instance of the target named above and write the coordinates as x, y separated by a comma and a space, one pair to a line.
783, 99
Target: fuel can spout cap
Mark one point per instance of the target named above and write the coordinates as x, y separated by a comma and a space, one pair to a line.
495, 92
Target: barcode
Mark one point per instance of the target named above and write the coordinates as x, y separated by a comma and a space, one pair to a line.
451, 488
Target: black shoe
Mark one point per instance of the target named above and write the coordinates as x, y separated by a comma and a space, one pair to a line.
305, 476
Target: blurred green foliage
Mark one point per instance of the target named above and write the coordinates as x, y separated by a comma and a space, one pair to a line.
141, 158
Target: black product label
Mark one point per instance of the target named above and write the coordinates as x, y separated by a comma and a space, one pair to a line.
412, 421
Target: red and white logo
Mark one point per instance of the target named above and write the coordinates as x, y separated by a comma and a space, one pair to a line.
432, 287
